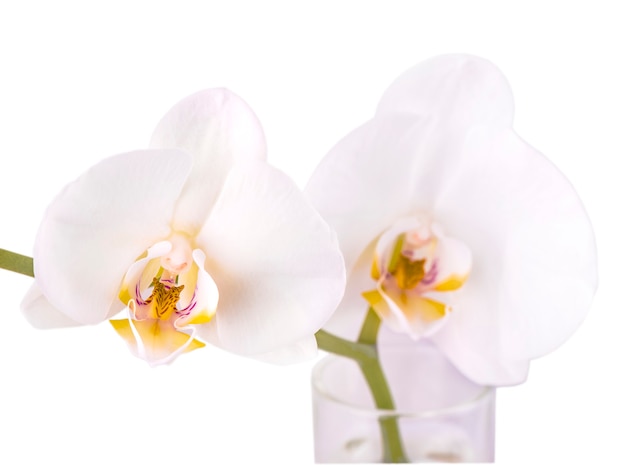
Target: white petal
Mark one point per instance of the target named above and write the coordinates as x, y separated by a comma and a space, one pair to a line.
39, 313
100, 224
218, 129
276, 263
303, 350
463, 90
347, 320
454, 263
398, 164
369, 179
205, 294
477, 349
534, 271
158, 342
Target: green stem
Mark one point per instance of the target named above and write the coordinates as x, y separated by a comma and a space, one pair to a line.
365, 353
393, 451
339, 346
15, 262
369, 330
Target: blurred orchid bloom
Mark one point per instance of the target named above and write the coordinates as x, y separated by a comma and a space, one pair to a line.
453, 228
196, 236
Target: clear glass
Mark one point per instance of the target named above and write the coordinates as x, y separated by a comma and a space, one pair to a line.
442, 416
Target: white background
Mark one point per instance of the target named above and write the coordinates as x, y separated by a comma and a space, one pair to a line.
79, 83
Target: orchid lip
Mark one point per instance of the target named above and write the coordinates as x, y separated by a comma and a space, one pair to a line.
414, 266
165, 305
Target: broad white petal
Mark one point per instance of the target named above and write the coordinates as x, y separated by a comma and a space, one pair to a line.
219, 129
98, 226
478, 349
303, 350
534, 270
462, 90
39, 313
370, 179
394, 166
347, 320
276, 263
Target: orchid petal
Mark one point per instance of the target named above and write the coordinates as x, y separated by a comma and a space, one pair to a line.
207, 295
275, 261
454, 262
372, 174
462, 90
100, 224
534, 275
478, 367
156, 341
477, 350
395, 164
387, 311
415, 315
218, 129
347, 320
41, 314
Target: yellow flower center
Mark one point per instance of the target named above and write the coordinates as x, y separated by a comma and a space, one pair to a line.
414, 267
165, 299
167, 291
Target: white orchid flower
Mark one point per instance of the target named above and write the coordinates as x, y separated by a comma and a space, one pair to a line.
196, 236
453, 228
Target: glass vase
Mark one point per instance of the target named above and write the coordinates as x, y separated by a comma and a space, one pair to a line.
441, 415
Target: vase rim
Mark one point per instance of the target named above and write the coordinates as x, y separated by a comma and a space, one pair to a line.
484, 392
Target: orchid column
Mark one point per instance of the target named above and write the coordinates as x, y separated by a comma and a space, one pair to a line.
456, 233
